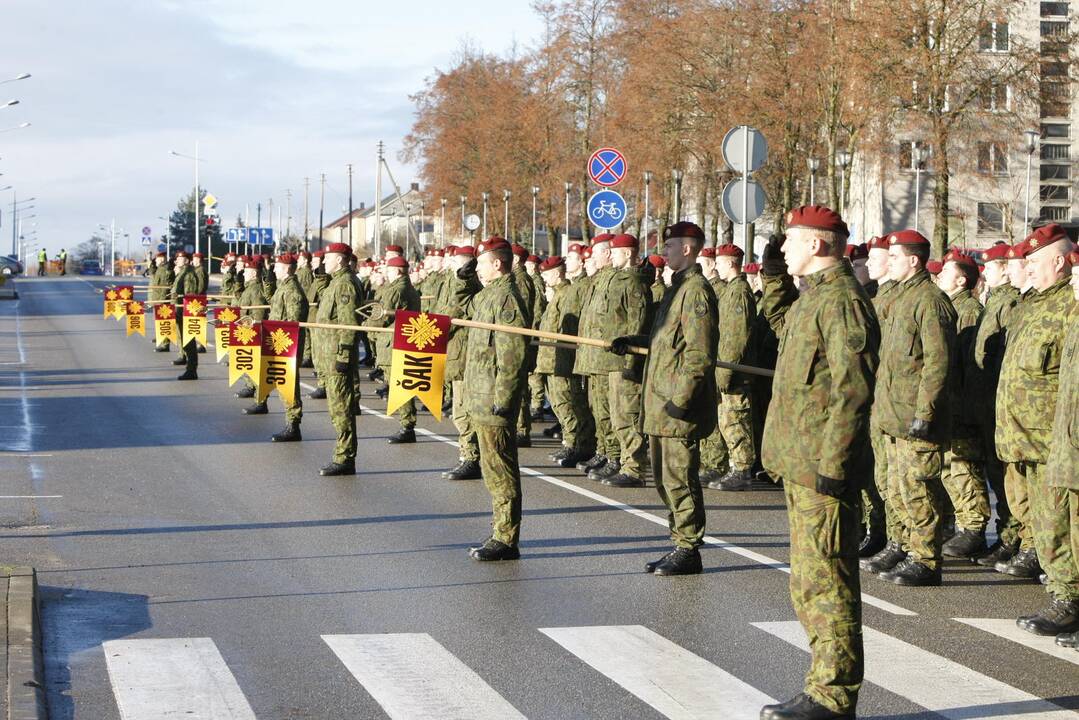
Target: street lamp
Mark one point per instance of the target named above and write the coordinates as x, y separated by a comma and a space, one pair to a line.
644, 229
9, 103
677, 176
535, 193
1031, 137
442, 224
565, 244
919, 155
485, 196
842, 158
464, 199
17, 77
506, 213
16, 127
198, 200
814, 166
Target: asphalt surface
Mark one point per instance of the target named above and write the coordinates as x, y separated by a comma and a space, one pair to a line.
157, 510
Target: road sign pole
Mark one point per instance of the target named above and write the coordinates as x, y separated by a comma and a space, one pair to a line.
745, 192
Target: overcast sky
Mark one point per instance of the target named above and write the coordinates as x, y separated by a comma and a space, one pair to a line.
273, 91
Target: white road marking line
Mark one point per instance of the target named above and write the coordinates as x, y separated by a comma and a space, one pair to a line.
20, 497
934, 682
730, 547
23, 455
1008, 630
182, 677
414, 678
672, 680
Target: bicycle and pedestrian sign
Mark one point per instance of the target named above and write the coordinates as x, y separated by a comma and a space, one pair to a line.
607, 209
607, 167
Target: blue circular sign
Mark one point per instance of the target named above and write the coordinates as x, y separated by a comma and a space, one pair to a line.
607, 167
607, 209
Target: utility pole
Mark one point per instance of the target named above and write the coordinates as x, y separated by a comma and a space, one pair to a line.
288, 212
306, 224
377, 230
258, 223
350, 204
269, 209
321, 206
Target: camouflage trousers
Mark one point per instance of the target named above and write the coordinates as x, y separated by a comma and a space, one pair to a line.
502, 476
625, 405
877, 518
731, 444
1017, 490
962, 481
914, 468
524, 415
569, 404
341, 404
676, 466
826, 591
1007, 523
1052, 515
536, 386
466, 434
599, 399
294, 410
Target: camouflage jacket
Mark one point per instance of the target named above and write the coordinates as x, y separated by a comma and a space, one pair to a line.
737, 313
252, 295
304, 276
495, 368
319, 283
680, 368
916, 350
269, 283
1030, 375
882, 299
1064, 444
527, 290
397, 295
200, 275
658, 288
163, 275
228, 282
453, 300
337, 306
965, 378
289, 302
822, 393
616, 306
185, 283
989, 338
552, 360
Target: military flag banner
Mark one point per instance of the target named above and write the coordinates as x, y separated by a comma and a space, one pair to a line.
280, 342
111, 298
136, 320
245, 350
418, 364
194, 321
165, 324
123, 294
224, 317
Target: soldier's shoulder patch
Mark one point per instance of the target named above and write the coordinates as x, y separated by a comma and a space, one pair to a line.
700, 307
856, 338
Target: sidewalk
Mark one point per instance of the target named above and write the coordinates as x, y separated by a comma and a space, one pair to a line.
24, 691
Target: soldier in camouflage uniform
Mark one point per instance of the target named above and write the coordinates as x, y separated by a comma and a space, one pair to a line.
536, 382
495, 374
397, 294
335, 356
289, 304
571, 304
535, 303
732, 441
250, 300
1026, 402
912, 404
228, 274
163, 277
962, 475
658, 287
266, 276
458, 291
815, 441
989, 343
319, 282
1064, 444
186, 283
679, 395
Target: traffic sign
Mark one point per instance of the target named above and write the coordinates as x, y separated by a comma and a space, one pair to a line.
147, 231
146, 241
209, 200
735, 146
754, 202
607, 167
472, 222
161, 247
264, 236
607, 209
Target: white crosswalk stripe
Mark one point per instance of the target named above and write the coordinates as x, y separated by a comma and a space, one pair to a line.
182, 678
1007, 629
414, 678
671, 679
933, 682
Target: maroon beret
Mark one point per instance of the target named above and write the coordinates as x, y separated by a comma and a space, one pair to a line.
466, 250
934, 267
397, 262
1073, 258
752, 268
586, 253
198, 255
602, 238
817, 217
1045, 235
624, 241
342, 248
491, 244
286, 258
395, 248
519, 250
910, 238
729, 250
683, 230
318, 253
1018, 251
996, 252
657, 261
532, 259
856, 252
877, 243
555, 261
959, 257
708, 252
180, 254
575, 248
162, 254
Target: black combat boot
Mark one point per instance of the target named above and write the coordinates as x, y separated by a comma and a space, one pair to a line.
1060, 616
308, 363
707, 477
524, 441
247, 392
375, 374
965, 544
912, 573
1024, 565
871, 544
886, 559
179, 361
560, 453
550, 431
201, 348
650, 567
683, 561
587, 466
291, 433
256, 409
801, 707
189, 375
574, 457
537, 415
998, 552
407, 436
336, 468
735, 480
493, 550
1068, 640
318, 393
465, 470
611, 469
623, 480
382, 393
161, 348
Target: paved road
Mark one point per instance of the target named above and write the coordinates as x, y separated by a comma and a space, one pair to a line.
190, 568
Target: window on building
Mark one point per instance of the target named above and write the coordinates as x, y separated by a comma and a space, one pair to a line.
1056, 130
906, 154
990, 218
1050, 193
994, 37
996, 98
1054, 29
1054, 214
1055, 152
992, 158
1054, 69
1055, 172
1054, 9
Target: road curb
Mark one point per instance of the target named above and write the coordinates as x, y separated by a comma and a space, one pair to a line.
24, 691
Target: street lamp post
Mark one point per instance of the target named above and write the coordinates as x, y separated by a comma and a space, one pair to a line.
1031, 137
198, 200
814, 166
565, 243
442, 224
677, 176
506, 213
535, 193
919, 155
485, 196
23, 76
842, 159
644, 226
